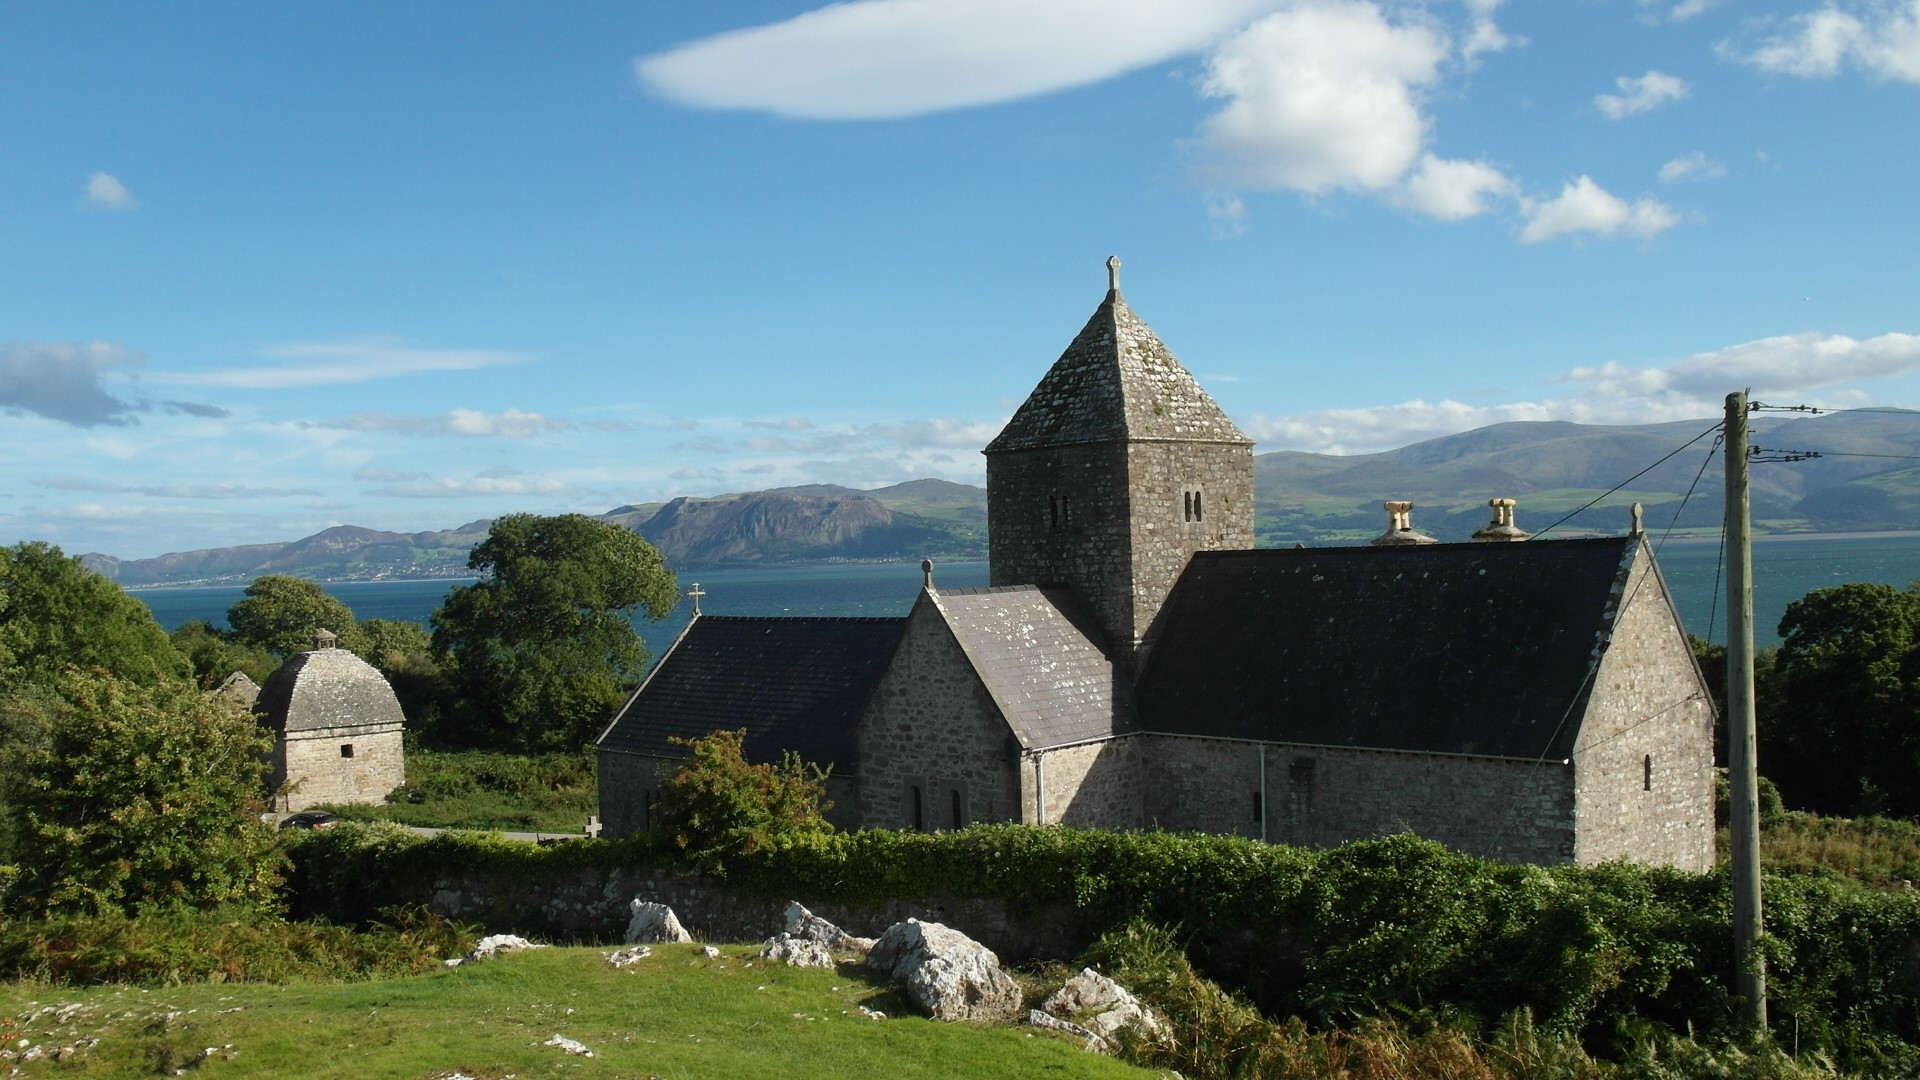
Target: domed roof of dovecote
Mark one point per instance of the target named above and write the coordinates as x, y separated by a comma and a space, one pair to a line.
327, 688
1116, 381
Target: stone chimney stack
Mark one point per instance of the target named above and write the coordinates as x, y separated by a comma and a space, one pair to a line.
1400, 527
1501, 529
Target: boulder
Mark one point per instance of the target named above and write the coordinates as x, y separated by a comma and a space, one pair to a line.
1102, 1006
797, 952
802, 923
494, 944
946, 973
654, 924
621, 958
1051, 1022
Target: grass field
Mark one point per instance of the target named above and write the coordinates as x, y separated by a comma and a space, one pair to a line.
674, 1015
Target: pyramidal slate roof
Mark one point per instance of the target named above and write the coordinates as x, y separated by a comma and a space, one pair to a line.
1038, 652
326, 688
1117, 380
1484, 649
795, 683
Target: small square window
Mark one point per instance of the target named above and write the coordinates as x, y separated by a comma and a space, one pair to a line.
346, 749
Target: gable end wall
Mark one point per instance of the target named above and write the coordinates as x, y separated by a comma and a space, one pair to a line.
1644, 758
931, 724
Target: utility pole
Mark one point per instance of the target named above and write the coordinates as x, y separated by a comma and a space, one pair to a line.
1743, 782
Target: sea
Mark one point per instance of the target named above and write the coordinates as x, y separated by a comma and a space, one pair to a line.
1784, 569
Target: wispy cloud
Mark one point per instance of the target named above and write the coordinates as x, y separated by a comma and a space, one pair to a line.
171, 491
456, 488
877, 59
196, 408
456, 423
1585, 207
1879, 38
61, 380
1802, 366
343, 360
1694, 166
105, 190
1641, 93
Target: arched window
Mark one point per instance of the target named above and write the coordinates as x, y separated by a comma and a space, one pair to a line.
959, 812
1646, 773
919, 811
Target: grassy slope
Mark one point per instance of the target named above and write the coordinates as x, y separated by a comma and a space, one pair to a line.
674, 1015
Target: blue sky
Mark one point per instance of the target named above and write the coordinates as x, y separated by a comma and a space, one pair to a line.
268, 268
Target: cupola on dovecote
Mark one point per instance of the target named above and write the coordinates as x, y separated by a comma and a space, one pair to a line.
1116, 469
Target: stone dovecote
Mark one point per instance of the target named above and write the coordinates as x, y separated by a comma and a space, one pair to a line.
1116, 469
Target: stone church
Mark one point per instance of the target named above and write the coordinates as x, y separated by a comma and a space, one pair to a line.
1137, 664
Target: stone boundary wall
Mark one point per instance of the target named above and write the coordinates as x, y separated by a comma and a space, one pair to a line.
592, 904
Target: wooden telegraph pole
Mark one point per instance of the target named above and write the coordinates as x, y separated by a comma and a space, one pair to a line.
1750, 972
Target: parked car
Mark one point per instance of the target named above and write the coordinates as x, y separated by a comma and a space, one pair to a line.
310, 819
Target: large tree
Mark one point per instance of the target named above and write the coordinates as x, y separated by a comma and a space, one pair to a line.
55, 612
543, 648
135, 793
1840, 709
281, 613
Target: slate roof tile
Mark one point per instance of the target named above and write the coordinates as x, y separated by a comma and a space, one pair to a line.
794, 684
1038, 651
1453, 648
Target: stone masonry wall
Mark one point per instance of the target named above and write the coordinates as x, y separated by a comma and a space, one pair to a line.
932, 726
314, 762
1513, 811
1163, 480
1092, 786
1035, 539
1644, 759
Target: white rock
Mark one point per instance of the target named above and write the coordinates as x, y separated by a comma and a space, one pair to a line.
453, 961
626, 957
871, 1014
1051, 1022
947, 973
709, 952
797, 952
494, 944
802, 923
653, 924
1106, 1005
570, 1046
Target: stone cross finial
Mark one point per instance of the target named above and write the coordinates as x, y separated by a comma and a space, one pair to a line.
1639, 519
926, 568
695, 594
1113, 273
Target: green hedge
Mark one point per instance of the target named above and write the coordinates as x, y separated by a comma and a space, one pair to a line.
1366, 929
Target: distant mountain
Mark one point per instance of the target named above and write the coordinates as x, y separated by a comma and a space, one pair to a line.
1868, 480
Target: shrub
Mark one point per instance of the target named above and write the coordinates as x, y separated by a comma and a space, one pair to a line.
718, 805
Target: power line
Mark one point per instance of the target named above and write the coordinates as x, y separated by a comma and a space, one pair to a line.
1630, 479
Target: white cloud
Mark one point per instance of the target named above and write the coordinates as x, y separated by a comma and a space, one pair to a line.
877, 59
1680, 12
1319, 96
60, 380
1694, 166
460, 423
1453, 190
1228, 213
1585, 207
1640, 94
106, 190
171, 491
1483, 35
344, 360
1797, 365
456, 488
1879, 37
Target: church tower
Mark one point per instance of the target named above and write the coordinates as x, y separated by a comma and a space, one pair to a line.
1113, 473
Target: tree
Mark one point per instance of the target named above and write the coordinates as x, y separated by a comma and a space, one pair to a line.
718, 804
543, 649
1839, 713
137, 794
54, 612
214, 655
403, 652
281, 613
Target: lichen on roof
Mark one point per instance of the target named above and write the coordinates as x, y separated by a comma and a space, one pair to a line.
326, 688
1116, 381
